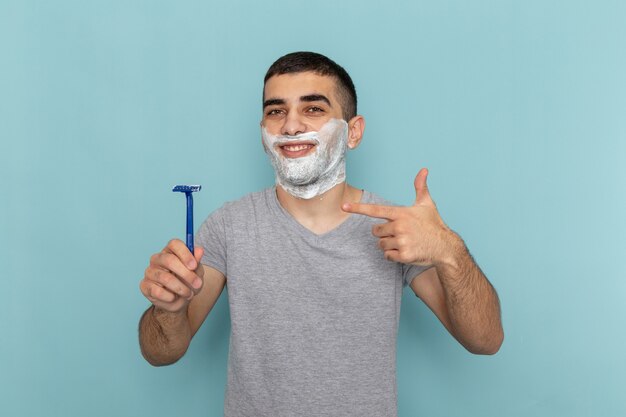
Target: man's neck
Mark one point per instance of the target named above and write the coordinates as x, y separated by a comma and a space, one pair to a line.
323, 213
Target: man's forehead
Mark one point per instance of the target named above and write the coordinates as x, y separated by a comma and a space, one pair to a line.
293, 86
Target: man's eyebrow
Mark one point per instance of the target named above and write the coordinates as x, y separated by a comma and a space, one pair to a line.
316, 97
273, 102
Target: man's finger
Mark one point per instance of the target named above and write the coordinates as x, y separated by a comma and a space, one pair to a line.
172, 263
383, 229
198, 253
371, 210
388, 243
421, 187
178, 248
159, 293
171, 283
392, 255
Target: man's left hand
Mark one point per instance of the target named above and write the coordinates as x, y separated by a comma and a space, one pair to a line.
412, 235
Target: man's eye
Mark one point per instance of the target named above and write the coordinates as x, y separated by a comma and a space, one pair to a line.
314, 109
273, 112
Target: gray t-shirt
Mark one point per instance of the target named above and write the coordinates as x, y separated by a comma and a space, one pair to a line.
314, 318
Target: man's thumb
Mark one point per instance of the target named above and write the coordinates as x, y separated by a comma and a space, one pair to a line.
421, 188
197, 253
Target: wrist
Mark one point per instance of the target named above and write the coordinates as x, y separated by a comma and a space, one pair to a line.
168, 317
452, 251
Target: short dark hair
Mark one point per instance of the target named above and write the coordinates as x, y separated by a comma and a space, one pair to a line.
296, 62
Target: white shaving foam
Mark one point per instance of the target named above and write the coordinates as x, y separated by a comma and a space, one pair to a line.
314, 174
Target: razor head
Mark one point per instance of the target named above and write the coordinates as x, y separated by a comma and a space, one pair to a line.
187, 188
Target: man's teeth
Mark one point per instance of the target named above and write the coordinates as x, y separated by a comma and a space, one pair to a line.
296, 148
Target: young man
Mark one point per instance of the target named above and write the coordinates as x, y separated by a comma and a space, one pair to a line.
315, 267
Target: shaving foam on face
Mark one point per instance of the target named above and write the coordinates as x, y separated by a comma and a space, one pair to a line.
319, 171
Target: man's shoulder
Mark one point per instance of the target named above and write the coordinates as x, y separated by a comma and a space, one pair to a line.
373, 198
244, 205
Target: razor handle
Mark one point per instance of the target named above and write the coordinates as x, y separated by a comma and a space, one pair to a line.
190, 222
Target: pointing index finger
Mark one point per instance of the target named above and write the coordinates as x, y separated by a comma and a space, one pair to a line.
371, 210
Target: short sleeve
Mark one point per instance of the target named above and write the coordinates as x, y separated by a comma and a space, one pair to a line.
411, 271
212, 238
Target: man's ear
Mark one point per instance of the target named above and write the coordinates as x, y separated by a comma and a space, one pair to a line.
356, 127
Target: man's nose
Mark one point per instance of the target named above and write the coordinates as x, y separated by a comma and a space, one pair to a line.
293, 125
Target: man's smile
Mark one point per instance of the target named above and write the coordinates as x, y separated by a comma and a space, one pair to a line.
296, 149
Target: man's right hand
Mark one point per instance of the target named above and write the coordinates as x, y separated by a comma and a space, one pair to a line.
173, 277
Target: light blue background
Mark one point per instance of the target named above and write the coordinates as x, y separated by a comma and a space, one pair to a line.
517, 108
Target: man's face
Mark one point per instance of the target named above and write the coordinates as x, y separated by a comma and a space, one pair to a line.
303, 132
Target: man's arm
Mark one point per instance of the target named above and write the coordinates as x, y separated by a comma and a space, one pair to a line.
464, 301
455, 289
179, 302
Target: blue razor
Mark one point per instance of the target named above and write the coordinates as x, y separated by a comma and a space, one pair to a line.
188, 189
